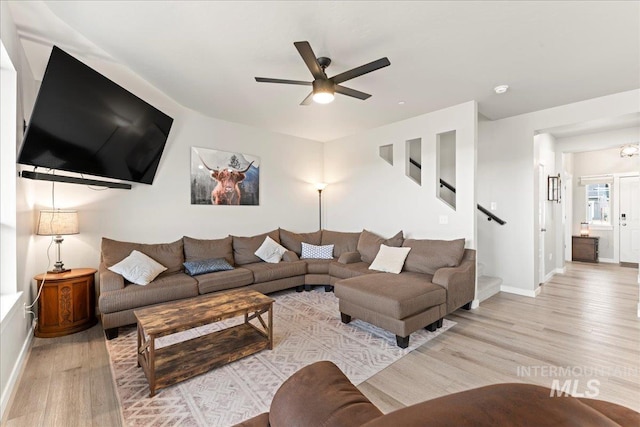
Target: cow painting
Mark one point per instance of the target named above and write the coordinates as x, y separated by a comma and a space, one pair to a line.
227, 191
224, 178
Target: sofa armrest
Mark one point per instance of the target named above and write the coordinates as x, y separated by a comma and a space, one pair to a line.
349, 257
109, 281
460, 283
320, 395
290, 256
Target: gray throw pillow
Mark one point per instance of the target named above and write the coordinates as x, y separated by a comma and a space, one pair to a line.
203, 266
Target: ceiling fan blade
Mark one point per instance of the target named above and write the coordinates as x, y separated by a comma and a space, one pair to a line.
352, 92
304, 48
289, 82
363, 69
307, 100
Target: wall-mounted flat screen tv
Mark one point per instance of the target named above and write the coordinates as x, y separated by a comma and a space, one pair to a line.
83, 122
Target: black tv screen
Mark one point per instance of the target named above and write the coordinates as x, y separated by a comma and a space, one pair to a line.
83, 122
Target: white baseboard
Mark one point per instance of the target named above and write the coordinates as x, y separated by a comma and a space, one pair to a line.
476, 303
560, 270
15, 372
608, 260
520, 291
548, 276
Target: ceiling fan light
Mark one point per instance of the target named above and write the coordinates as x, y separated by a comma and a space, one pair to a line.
629, 150
323, 97
323, 91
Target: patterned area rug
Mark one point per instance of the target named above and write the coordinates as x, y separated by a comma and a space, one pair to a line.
307, 328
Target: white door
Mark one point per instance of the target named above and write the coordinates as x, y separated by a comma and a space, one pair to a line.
630, 219
542, 219
567, 218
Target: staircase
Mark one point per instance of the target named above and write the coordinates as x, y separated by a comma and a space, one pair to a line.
488, 286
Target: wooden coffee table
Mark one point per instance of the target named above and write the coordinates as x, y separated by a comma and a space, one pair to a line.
177, 362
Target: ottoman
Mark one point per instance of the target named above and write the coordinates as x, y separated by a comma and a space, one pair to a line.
400, 303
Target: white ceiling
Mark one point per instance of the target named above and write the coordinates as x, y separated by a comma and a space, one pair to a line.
205, 55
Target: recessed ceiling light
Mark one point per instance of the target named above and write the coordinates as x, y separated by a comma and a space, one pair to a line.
501, 89
400, 102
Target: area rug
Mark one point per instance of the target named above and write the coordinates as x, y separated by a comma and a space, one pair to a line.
307, 328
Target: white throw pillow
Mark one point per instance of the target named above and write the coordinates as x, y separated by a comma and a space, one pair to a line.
389, 260
138, 268
316, 252
270, 251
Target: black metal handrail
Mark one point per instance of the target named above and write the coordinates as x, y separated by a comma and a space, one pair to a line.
443, 183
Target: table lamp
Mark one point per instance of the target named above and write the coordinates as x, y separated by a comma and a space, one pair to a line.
57, 223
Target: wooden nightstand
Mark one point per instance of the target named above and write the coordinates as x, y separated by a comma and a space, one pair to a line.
67, 302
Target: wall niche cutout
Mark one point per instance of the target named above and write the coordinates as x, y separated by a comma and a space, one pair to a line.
386, 152
414, 159
446, 168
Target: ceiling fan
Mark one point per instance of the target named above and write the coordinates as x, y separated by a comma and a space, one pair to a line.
324, 87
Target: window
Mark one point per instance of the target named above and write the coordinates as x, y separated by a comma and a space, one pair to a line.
598, 204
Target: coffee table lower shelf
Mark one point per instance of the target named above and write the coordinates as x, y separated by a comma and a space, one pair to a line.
177, 362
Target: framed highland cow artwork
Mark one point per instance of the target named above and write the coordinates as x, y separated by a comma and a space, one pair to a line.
224, 178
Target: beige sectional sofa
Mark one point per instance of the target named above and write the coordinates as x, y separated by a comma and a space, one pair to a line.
451, 285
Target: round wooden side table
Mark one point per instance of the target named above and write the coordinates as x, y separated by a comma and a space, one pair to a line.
67, 302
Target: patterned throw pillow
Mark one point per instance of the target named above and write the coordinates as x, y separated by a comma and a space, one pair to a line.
138, 268
316, 252
203, 266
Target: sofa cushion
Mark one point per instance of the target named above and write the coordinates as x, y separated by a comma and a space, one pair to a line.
166, 288
344, 271
265, 272
369, 244
203, 266
427, 256
244, 248
293, 241
318, 266
222, 280
341, 241
138, 268
320, 395
390, 259
197, 249
394, 295
171, 255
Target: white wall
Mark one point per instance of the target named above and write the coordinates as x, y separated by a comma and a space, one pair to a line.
162, 212
366, 192
506, 175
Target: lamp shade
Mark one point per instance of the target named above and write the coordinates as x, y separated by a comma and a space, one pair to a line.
57, 223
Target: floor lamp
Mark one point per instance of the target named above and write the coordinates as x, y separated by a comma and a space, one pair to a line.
320, 186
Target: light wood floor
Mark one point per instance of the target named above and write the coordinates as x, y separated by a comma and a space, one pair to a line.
583, 321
